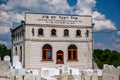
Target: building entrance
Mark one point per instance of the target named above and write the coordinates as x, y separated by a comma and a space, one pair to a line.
59, 57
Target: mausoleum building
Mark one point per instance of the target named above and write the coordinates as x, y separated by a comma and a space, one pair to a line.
49, 40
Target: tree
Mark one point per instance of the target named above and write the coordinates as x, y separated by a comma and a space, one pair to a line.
4, 51
106, 57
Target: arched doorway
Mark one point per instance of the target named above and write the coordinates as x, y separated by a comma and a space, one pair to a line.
59, 57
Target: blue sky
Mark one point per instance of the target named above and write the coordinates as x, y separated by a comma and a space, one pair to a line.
105, 13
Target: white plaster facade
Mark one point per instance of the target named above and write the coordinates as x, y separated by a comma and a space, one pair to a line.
32, 45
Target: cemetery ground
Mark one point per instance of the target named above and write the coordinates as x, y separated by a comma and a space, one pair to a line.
16, 72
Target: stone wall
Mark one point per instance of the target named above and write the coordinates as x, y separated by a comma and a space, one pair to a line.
109, 72
5, 70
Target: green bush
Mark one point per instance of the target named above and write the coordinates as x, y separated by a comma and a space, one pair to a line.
106, 56
4, 51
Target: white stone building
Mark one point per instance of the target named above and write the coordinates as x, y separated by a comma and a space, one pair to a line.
48, 40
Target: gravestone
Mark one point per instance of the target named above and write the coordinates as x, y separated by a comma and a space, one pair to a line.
37, 77
86, 77
97, 72
29, 77
94, 77
47, 78
19, 77
110, 73
74, 71
7, 58
65, 69
89, 72
65, 76
16, 62
15, 59
4, 68
53, 72
21, 71
45, 73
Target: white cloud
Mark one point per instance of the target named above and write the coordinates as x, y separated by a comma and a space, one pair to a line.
6, 20
4, 16
101, 23
118, 33
84, 7
56, 6
98, 45
14, 11
3, 42
116, 41
116, 44
4, 30
16, 17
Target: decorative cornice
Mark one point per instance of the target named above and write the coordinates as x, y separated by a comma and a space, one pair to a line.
59, 14
46, 40
16, 43
58, 26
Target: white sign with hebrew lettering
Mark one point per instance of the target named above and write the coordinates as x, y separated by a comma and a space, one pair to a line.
74, 20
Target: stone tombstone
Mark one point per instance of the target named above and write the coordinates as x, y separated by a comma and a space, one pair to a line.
35, 72
98, 72
45, 73
15, 59
86, 77
16, 62
74, 71
110, 73
38, 77
65, 69
78, 77
53, 72
21, 71
17, 71
29, 77
47, 78
19, 77
94, 77
7, 58
89, 72
65, 76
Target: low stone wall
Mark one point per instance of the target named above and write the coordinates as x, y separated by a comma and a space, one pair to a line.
109, 72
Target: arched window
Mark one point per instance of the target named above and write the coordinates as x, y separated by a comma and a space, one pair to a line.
72, 52
53, 32
66, 32
16, 51
87, 33
33, 32
78, 33
20, 53
13, 36
47, 52
40, 31
18, 35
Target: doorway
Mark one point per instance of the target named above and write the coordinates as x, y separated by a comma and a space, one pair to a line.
59, 57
